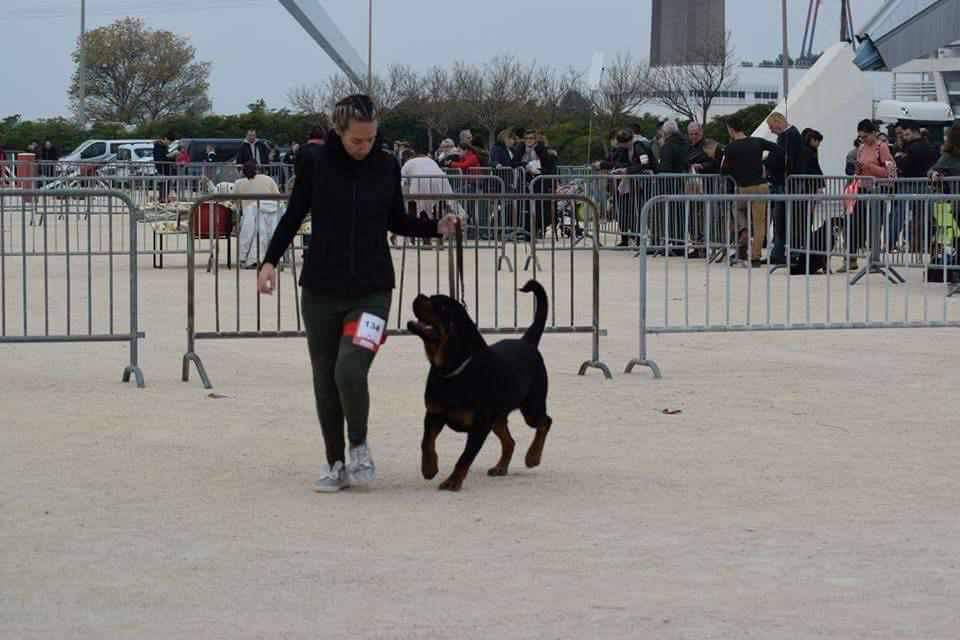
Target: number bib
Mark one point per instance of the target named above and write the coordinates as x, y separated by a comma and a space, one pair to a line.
369, 332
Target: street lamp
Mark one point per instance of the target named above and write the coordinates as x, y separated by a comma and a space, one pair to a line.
83, 63
370, 50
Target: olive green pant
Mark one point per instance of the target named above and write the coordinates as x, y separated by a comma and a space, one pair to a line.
340, 367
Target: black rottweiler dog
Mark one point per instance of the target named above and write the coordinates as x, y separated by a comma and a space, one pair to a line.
473, 387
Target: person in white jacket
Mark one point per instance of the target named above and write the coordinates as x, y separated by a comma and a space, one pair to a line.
260, 217
422, 175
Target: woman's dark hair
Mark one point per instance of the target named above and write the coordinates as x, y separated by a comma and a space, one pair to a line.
356, 107
624, 136
952, 144
317, 133
867, 126
811, 134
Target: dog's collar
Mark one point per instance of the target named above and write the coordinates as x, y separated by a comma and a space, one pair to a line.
458, 370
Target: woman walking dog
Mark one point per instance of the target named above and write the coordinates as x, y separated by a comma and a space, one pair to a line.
354, 192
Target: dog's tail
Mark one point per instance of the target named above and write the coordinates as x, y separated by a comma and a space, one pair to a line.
535, 332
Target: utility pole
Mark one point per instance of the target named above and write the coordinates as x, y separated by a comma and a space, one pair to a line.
786, 59
370, 51
83, 63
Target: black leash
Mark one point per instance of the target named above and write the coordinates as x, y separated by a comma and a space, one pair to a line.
460, 293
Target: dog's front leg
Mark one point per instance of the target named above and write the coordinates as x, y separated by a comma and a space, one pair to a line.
432, 426
475, 442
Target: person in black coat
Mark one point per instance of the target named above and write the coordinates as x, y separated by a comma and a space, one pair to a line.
354, 191
162, 164
779, 168
916, 159
503, 153
253, 149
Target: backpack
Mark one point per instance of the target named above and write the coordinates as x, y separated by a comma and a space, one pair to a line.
642, 148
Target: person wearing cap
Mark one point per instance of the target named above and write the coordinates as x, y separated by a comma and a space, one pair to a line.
354, 191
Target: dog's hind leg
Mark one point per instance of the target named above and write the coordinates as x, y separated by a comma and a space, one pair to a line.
507, 444
542, 423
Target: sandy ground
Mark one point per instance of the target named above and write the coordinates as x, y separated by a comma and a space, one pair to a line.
807, 490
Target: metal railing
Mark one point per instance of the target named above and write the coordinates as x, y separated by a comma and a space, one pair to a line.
235, 309
41, 307
752, 299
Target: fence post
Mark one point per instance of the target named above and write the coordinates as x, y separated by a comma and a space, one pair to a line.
190, 355
641, 359
595, 363
134, 367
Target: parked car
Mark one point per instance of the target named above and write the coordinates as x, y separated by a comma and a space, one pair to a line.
87, 158
131, 160
225, 149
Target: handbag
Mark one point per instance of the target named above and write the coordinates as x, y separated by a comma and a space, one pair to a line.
849, 196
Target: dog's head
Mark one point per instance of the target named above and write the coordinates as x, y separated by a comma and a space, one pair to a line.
449, 334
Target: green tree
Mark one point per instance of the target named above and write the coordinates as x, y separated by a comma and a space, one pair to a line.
750, 117
136, 75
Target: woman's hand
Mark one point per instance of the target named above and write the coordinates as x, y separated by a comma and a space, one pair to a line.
267, 279
448, 225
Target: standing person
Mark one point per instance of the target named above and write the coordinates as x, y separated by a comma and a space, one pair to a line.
948, 165
699, 160
259, 217
290, 157
468, 159
423, 176
347, 280
49, 155
183, 160
779, 168
502, 155
446, 148
307, 157
873, 161
809, 165
674, 159
743, 159
917, 158
161, 164
253, 149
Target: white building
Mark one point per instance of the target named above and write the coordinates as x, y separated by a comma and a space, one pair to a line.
764, 85
935, 79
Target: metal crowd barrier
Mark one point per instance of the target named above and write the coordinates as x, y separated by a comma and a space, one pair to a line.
235, 310
752, 299
620, 198
48, 303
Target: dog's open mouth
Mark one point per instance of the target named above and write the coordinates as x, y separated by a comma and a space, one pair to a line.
422, 329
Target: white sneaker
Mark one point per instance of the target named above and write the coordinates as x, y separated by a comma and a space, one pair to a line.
361, 469
332, 479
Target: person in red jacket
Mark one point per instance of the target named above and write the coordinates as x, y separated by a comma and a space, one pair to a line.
468, 159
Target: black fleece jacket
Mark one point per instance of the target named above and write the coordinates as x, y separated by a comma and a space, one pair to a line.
354, 204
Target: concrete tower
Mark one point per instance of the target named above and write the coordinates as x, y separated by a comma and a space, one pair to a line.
681, 28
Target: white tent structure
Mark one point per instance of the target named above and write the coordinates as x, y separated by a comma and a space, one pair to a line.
832, 97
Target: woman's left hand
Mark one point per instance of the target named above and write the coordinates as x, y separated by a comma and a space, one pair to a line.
448, 225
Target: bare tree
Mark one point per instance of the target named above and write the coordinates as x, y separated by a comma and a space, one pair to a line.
549, 90
494, 94
623, 88
434, 103
309, 100
691, 89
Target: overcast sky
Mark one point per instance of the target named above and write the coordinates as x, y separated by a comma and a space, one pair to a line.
258, 50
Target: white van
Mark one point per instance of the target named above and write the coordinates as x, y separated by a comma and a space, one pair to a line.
131, 160
99, 150
935, 117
